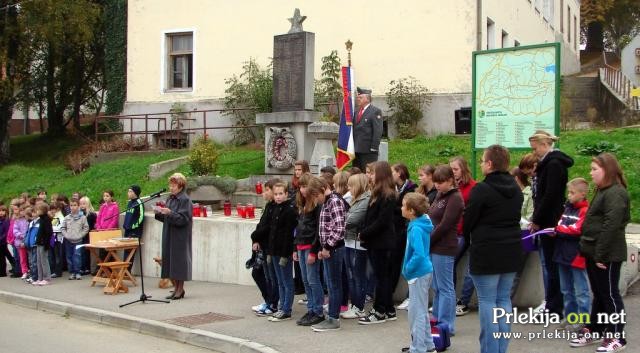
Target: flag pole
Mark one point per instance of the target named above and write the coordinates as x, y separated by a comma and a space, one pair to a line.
349, 45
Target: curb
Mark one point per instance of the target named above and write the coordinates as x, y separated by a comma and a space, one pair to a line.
194, 337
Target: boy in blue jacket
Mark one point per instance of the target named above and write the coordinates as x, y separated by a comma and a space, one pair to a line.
417, 270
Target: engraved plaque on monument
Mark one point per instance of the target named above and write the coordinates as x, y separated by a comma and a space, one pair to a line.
293, 72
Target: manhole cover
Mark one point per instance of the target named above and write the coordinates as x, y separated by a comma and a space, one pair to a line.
200, 319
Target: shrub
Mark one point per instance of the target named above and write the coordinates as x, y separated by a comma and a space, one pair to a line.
251, 91
203, 157
406, 99
594, 149
226, 184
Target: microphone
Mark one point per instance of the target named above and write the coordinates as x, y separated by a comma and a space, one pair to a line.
157, 194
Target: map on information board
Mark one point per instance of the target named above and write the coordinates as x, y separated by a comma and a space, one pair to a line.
516, 91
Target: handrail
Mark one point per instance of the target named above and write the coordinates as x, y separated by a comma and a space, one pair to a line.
620, 86
604, 60
178, 133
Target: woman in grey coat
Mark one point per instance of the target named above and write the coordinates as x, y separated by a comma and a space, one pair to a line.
176, 235
356, 255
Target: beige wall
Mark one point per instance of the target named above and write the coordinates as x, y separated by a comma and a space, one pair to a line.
526, 25
389, 42
432, 41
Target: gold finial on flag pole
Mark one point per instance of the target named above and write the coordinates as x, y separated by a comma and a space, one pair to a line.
349, 45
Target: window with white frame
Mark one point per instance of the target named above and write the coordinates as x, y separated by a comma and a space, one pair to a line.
491, 34
179, 61
505, 39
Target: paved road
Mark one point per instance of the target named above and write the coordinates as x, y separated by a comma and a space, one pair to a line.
30, 331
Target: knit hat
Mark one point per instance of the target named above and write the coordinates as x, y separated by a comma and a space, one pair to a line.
136, 190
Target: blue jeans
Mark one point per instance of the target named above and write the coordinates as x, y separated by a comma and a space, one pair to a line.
444, 301
284, 274
421, 340
74, 257
333, 275
574, 285
467, 287
356, 261
493, 292
272, 284
311, 280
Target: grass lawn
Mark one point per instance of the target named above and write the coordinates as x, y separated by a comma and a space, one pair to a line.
37, 163
419, 151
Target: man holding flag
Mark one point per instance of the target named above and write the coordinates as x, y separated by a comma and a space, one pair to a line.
360, 133
367, 130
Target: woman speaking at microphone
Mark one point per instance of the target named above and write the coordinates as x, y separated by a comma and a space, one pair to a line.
176, 235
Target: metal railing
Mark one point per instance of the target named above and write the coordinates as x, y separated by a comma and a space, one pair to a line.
620, 86
154, 125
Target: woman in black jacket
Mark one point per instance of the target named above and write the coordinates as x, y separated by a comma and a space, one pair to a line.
492, 228
379, 238
552, 174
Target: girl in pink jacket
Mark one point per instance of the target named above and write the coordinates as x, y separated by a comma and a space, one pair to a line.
108, 213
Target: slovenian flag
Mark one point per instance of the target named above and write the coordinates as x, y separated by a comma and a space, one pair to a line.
346, 149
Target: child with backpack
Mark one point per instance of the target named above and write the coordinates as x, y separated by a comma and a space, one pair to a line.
417, 270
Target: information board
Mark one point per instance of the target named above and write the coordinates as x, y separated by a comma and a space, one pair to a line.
516, 91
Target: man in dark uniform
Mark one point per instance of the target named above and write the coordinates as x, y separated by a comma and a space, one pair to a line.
367, 130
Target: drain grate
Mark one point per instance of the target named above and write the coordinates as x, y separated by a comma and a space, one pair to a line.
200, 319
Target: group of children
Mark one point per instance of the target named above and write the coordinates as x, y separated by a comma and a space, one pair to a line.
39, 238
336, 226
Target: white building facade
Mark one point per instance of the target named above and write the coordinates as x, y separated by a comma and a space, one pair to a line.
184, 51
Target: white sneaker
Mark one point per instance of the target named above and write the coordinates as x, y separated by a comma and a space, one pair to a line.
540, 308
259, 307
585, 338
353, 313
404, 305
611, 345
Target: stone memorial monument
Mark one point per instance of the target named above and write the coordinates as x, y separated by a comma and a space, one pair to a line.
286, 138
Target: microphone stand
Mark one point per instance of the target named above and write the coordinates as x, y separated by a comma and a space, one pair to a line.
143, 297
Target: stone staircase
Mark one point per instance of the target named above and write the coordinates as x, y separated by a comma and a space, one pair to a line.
583, 94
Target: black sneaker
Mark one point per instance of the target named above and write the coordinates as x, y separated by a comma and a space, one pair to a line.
315, 319
280, 316
304, 320
372, 318
392, 317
